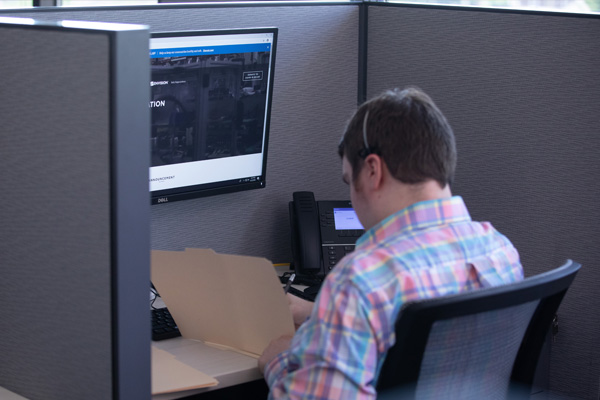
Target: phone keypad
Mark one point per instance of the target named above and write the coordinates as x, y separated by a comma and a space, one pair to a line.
326, 219
333, 254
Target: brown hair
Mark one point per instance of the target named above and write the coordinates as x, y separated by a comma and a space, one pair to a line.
407, 130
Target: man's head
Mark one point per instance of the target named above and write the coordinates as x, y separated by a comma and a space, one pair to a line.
409, 133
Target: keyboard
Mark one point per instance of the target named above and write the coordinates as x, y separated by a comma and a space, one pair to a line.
163, 325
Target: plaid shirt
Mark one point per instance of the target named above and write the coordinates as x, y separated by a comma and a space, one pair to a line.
429, 249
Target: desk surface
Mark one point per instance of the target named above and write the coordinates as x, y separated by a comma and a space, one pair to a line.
227, 366
6, 394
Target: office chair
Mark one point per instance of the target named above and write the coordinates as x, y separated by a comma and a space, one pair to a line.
482, 344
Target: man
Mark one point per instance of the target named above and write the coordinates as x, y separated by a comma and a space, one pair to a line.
398, 157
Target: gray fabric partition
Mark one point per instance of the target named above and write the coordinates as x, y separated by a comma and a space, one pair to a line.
66, 246
521, 91
315, 91
43, 234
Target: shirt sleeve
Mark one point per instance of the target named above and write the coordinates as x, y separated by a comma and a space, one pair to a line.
334, 353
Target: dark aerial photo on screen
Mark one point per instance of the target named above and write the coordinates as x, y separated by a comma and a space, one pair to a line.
208, 106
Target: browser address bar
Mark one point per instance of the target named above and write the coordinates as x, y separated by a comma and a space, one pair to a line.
205, 41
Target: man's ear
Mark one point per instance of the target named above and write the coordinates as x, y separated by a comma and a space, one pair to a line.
375, 170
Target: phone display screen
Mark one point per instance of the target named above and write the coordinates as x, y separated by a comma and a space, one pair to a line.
345, 218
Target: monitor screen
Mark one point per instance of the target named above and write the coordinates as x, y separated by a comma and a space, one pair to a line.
210, 108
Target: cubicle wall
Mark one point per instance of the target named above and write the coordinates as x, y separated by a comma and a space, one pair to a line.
522, 92
74, 236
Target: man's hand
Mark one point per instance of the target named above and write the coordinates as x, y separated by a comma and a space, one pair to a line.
273, 349
300, 309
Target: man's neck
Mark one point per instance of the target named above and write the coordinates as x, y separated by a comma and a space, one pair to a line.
401, 195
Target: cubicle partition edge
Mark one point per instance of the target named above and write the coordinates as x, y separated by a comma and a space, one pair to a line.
75, 235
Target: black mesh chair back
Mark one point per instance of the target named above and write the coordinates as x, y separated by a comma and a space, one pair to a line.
482, 344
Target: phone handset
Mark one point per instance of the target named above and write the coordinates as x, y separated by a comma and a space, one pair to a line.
306, 234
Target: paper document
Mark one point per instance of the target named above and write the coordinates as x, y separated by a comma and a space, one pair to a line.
170, 375
233, 301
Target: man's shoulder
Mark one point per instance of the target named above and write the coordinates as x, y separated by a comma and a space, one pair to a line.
407, 251
370, 266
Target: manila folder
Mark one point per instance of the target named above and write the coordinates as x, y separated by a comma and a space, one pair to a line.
171, 375
229, 300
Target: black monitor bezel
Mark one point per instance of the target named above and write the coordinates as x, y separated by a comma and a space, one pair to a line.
211, 189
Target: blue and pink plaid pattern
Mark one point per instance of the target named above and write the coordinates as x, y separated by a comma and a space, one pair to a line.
429, 249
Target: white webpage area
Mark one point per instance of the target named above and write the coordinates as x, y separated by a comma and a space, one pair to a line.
205, 171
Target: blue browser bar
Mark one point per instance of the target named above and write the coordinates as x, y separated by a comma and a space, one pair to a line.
210, 50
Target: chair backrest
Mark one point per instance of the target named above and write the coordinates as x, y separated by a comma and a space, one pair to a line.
480, 344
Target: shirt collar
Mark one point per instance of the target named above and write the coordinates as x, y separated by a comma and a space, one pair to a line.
418, 216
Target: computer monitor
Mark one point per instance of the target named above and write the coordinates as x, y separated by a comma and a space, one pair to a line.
210, 105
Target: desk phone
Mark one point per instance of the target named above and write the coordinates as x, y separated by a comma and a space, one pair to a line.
322, 233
